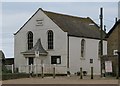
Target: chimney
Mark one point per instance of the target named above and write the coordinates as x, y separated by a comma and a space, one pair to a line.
105, 28
115, 19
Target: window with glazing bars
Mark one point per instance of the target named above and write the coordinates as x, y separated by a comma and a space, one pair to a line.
82, 47
50, 39
30, 40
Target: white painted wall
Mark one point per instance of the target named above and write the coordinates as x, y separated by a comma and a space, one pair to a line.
60, 46
60, 40
91, 52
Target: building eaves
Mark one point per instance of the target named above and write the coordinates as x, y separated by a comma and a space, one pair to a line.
113, 28
28, 20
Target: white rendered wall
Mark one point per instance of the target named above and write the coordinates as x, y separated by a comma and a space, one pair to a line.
60, 46
60, 40
91, 52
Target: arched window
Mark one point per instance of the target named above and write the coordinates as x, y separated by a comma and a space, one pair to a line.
50, 39
82, 48
99, 49
30, 40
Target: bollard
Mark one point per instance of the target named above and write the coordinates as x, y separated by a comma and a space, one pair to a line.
12, 68
31, 70
81, 77
42, 71
91, 72
54, 72
36, 70
103, 73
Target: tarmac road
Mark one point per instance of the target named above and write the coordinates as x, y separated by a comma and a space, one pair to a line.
59, 80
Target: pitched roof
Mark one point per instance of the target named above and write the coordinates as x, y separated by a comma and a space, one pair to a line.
2, 56
113, 28
38, 47
75, 26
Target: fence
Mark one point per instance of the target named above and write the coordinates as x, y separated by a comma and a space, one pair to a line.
37, 69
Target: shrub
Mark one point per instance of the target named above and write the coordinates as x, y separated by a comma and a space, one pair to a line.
84, 73
7, 76
78, 73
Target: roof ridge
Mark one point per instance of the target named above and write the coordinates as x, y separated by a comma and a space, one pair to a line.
74, 22
66, 15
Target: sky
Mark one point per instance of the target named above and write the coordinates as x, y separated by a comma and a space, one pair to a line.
15, 14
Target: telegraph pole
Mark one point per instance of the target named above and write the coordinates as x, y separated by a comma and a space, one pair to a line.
101, 36
101, 29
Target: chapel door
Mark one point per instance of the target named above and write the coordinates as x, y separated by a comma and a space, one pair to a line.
30, 61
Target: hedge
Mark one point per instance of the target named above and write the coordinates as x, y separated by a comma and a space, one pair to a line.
14, 76
7, 76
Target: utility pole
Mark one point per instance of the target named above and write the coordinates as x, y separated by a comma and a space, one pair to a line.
101, 36
118, 60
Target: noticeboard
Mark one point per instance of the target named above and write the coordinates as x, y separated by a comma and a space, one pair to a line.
108, 66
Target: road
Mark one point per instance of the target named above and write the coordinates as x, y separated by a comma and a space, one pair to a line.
60, 80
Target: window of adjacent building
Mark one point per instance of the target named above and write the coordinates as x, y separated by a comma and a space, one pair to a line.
50, 39
55, 59
82, 48
30, 40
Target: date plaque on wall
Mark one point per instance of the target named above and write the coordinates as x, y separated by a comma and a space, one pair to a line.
39, 22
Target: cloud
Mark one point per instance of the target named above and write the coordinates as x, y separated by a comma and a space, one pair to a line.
60, 0
119, 10
16, 14
8, 46
0, 25
18, 19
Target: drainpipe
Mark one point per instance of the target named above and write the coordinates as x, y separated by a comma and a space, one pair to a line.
68, 71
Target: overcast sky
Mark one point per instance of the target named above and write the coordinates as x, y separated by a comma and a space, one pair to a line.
15, 14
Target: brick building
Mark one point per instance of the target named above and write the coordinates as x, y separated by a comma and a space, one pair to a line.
113, 47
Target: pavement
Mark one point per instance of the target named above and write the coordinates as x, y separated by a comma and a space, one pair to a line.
63, 80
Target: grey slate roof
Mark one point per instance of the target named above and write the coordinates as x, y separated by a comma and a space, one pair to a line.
38, 47
76, 26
